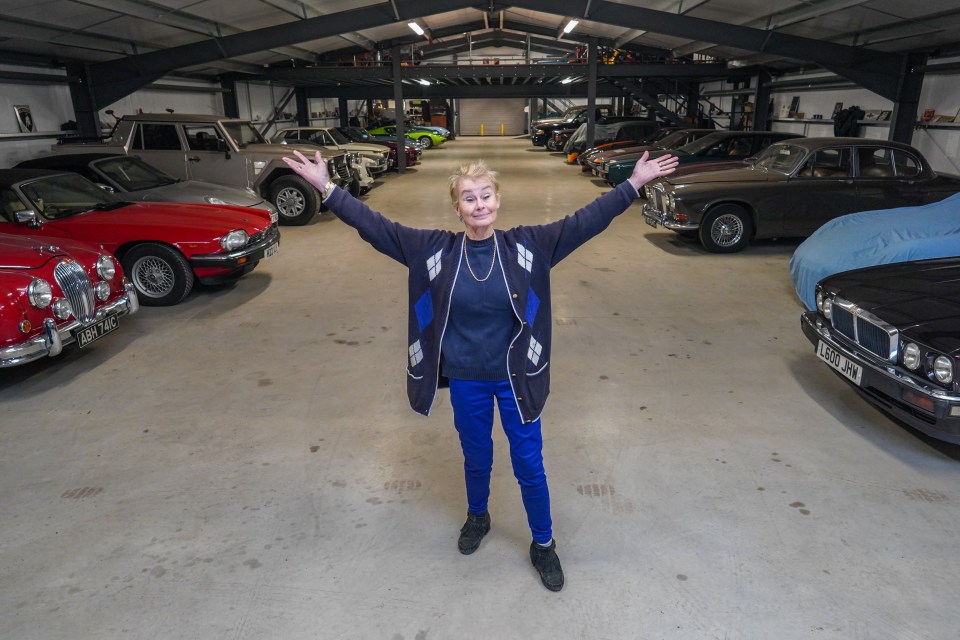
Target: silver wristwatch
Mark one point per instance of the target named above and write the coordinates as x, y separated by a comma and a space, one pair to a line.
328, 189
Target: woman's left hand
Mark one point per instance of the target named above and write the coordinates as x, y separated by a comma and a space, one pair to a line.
647, 170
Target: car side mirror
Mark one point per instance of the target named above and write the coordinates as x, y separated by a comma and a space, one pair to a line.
752, 160
28, 217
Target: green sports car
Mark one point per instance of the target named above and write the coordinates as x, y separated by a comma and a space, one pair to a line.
426, 138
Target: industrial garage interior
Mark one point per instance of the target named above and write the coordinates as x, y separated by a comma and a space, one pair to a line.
245, 464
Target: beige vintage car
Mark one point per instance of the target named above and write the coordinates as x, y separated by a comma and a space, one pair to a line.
374, 156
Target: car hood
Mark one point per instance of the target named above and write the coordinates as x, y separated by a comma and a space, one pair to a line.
21, 252
361, 147
178, 222
196, 191
283, 150
920, 298
707, 176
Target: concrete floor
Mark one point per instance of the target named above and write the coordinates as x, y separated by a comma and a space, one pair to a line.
245, 466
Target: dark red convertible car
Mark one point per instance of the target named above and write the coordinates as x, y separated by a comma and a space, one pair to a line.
53, 295
164, 247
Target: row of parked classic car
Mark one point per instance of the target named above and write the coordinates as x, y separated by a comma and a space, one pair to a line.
880, 266
90, 232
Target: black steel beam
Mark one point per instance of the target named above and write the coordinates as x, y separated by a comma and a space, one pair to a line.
534, 71
115, 79
417, 92
875, 70
905, 107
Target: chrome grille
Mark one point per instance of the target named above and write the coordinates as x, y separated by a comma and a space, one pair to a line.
340, 168
76, 286
865, 329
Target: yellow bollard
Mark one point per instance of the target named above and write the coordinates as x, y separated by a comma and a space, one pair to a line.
481, 129
501, 129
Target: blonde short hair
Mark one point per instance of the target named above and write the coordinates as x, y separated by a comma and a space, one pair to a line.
474, 170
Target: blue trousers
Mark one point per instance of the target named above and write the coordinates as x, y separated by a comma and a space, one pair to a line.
472, 402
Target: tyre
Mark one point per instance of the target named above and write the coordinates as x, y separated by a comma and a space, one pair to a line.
726, 229
160, 274
426, 142
550, 145
296, 201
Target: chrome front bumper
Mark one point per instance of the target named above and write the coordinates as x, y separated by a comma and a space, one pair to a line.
249, 253
888, 389
53, 339
658, 218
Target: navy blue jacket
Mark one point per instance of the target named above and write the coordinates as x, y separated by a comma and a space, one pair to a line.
433, 260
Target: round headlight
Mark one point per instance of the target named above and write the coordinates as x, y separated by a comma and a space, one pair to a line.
214, 200
102, 289
943, 369
911, 356
671, 201
234, 240
40, 293
62, 308
106, 268
827, 307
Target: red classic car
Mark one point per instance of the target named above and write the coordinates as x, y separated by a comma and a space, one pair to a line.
54, 295
163, 246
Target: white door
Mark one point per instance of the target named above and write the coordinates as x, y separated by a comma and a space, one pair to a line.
496, 116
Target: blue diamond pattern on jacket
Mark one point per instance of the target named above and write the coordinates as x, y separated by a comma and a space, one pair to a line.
533, 304
433, 265
424, 310
524, 257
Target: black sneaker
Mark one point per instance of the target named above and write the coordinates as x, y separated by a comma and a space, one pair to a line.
548, 564
472, 532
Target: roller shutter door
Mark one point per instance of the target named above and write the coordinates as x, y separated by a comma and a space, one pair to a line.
491, 113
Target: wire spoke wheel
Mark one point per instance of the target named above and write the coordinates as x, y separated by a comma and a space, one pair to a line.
727, 230
153, 276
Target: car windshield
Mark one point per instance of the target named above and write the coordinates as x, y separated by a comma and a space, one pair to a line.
338, 137
782, 158
671, 139
64, 195
243, 134
702, 144
133, 174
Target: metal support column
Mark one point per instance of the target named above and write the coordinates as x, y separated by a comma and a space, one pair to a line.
344, 108
761, 104
88, 122
904, 117
591, 90
303, 107
231, 108
398, 111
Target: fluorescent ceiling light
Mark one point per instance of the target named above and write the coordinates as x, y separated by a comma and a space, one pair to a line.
571, 26
566, 81
425, 83
417, 29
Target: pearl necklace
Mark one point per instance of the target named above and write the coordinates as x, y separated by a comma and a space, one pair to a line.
492, 262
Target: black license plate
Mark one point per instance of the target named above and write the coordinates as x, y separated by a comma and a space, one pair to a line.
96, 331
650, 221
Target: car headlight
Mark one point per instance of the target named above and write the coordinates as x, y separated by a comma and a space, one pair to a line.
540, 132
258, 166
671, 202
355, 158
943, 369
102, 289
40, 293
62, 309
824, 304
106, 268
234, 240
911, 356
214, 200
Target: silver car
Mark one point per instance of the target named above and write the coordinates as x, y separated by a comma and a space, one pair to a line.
136, 180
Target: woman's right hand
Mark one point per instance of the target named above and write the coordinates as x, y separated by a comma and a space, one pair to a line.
313, 172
